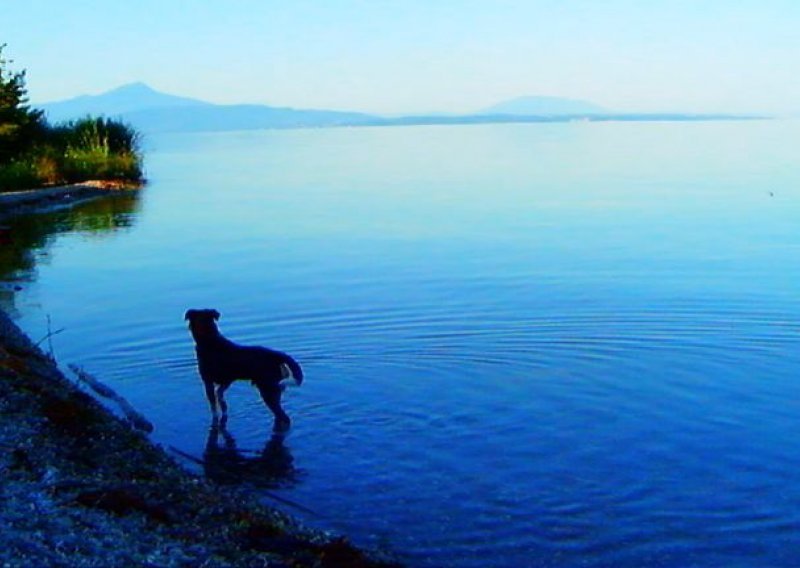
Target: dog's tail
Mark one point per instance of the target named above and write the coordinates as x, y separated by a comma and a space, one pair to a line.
294, 368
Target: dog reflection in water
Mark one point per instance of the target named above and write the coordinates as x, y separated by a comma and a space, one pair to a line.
221, 362
224, 463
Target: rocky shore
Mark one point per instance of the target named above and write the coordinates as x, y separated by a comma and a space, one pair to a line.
79, 487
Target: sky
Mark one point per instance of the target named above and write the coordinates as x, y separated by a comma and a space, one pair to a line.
394, 57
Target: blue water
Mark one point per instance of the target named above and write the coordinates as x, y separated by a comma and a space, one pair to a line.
525, 345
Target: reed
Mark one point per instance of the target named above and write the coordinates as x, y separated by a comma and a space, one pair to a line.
101, 135
81, 150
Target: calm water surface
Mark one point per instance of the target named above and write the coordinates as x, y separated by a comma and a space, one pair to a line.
525, 345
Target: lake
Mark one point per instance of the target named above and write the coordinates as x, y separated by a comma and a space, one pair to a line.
524, 345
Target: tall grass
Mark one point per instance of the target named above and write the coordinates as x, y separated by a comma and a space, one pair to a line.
99, 148
97, 134
76, 151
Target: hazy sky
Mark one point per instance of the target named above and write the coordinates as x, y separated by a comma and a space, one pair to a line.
417, 55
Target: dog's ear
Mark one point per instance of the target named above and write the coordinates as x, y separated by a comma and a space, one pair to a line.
189, 314
215, 313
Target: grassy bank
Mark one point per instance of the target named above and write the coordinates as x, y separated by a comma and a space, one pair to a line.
34, 153
86, 149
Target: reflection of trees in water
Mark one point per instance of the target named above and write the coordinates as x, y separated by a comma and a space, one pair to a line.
33, 233
271, 467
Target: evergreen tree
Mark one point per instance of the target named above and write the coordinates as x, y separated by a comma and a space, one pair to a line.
20, 125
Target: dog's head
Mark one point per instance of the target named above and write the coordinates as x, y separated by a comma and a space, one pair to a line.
202, 323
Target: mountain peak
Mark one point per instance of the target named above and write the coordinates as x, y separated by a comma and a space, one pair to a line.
127, 98
137, 87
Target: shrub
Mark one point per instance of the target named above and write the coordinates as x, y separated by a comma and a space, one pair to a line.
106, 134
36, 169
87, 149
18, 174
33, 153
96, 163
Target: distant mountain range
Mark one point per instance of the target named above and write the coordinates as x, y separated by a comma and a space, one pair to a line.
153, 111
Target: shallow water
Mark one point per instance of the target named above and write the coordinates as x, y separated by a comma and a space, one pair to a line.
543, 344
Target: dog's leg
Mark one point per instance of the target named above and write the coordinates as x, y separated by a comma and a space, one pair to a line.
221, 399
212, 399
271, 395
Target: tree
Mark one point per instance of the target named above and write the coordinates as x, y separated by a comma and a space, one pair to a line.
20, 125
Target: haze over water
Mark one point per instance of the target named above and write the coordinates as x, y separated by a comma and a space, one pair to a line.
525, 345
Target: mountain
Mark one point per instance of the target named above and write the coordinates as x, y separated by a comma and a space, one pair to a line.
134, 97
545, 106
153, 111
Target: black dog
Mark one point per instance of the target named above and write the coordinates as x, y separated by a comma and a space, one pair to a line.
221, 361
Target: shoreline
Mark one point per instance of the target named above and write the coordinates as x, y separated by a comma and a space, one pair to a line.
80, 487
41, 200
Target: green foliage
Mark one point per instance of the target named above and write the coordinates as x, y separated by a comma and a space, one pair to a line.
96, 164
98, 148
19, 174
20, 126
97, 134
33, 153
